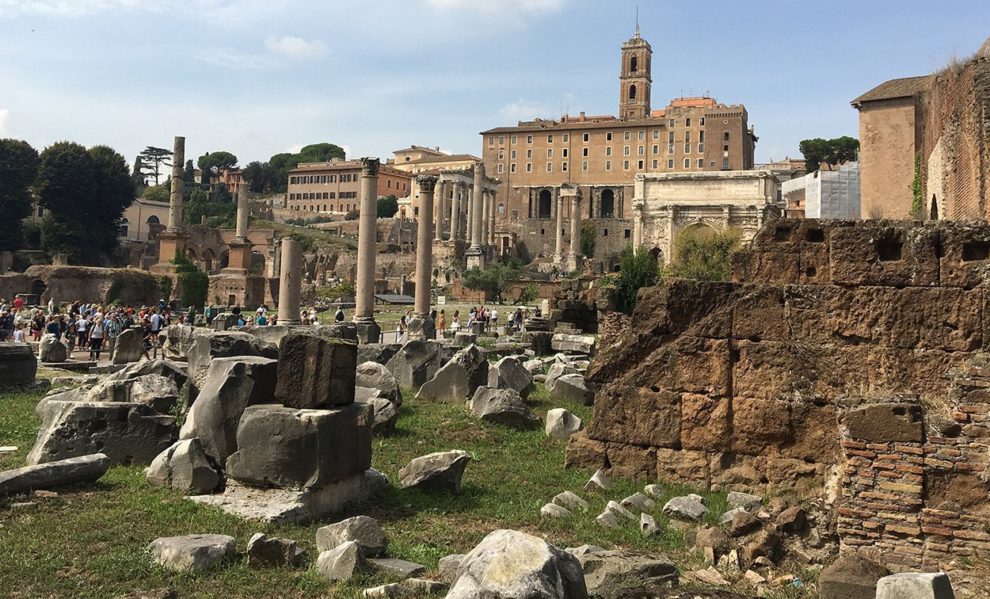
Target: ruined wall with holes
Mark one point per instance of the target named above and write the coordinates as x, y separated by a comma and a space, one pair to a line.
955, 142
844, 361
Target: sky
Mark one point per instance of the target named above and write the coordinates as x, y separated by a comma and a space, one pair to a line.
259, 77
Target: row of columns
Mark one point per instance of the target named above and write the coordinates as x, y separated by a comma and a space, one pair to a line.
449, 209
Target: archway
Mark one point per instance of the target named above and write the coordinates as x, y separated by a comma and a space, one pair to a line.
607, 209
208, 259
153, 220
633, 64
544, 204
632, 92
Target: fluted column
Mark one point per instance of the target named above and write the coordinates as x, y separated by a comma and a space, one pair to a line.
558, 252
438, 210
290, 282
455, 211
486, 213
491, 220
175, 199
424, 247
476, 196
469, 212
574, 252
364, 300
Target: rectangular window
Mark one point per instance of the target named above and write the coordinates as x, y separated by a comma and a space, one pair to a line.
642, 134
608, 150
501, 140
563, 166
584, 152
687, 163
701, 163
512, 140
656, 164
491, 141
641, 151
725, 149
529, 139
608, 136
567, 137
687, 122
626, 233
529, 153
656, 134
701, 148
549, 139
670, 137
725, 164
725, 136
549, 167
549, 152
513, 154
670, 163
687, 137
639, 165
626, 150
671, 122
687, 148
501, 167
608, 165
501, 154
656, 149
670, 149
625, 165
627, 135
701, 136
587, 137
584, 166
564, 153
529, 167
701, 121
512, 167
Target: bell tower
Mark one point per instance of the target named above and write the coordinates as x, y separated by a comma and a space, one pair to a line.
634, 78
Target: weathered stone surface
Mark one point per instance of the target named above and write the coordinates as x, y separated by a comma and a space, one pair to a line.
315, 372
83, 469
714, 539
127, 433
166, 368
648, 525
384, 414
561, 424
229, 387
552, 510
886, 423
686, 507
915, 585
508, 563
387, 591
377, 376
765, 543
128, 346
557, 370
207, 347
582, 344
184, 467
638, 502
598, 482
616, 508
449, 565
396, 568
363, 530
263, 550
51, 349
850, 577
746, 501
179, 340
573, 388
570, 501
153, 390
534, 366
441, 471
295, 505
793, 519
379, 353
458, 379
341, 563
648, 417
192, 553
278, 446
610, 572
424, 586
509, 373
608, 519
503, 406
415, 363
743, 523
18, 366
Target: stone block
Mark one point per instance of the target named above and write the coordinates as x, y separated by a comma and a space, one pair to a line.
770, 267
640, 416
850, 577
884, 253
377, 352
363, 530
965, 259
915, 585
510, 373
18, 366
278, 446
415, 363
503, 406
760, 424
631, 461
222, 344
705, 423
584, 453
192, 553
561, 424
83, 469
184, 467
886, 423
128, 347
127, 433
375, 376
315, 372
441, 471
572, 387
457, 380
51, 349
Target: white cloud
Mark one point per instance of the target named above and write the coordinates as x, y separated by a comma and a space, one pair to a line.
522, 110
295, 47
499, 6
4, 113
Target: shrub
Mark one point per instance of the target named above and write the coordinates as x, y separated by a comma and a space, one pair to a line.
704, 254
636, 270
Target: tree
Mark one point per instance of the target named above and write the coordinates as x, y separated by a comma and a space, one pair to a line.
18, 168
831, 152
492, 279
156, 193
189, 173
704, 254
85, 193
637, 269
152, 161
214, 163
138, 174
262, 177
589, 235
284, 162
388, 206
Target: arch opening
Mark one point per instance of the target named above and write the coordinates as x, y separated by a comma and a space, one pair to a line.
545, 201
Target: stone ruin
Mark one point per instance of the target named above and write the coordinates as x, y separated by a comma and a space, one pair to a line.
846, 362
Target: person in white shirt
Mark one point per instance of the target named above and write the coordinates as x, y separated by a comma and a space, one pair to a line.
97, 328
494, 318
81, 326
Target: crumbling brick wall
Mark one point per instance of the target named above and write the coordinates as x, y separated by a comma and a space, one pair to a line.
765, 383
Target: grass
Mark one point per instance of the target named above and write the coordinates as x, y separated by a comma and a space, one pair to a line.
90, 541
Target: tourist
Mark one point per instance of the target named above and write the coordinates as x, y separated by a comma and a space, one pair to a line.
493, 316
441, 323
51, 305
82, 325
70, 335
147, 340
18, 303
114, 328
262, 320
208, 314
155, 321
517, 319
97, 329
53, 327
38, 326
455, 321
6, 325
19, 334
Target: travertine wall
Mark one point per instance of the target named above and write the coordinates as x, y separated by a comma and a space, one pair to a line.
840, 363
889, 140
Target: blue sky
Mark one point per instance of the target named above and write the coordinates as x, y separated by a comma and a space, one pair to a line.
257, 77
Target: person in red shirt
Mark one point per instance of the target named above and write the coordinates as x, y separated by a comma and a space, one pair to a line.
18, 303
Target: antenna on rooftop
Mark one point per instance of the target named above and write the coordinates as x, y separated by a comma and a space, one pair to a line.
637, 20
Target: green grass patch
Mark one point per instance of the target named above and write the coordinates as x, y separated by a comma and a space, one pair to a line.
90, 541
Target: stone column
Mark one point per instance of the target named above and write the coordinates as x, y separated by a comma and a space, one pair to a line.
364, 299
289, 282
574, 250
437, 211
638, 206
469, 210
491, 221
242, 212
478, 199
486, 213
421, 326
558, 251
175, 200
455, 211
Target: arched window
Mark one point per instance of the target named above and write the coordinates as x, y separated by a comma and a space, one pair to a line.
153, 220
123, 230
632, 92
633, 64
607, 209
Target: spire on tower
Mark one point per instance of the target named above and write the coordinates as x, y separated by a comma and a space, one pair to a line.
637, 20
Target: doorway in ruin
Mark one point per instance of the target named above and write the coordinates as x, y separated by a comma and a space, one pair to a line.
544, 203
607, 204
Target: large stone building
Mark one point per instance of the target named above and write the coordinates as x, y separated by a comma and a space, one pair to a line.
933, 128
666, 204
418, 160
332, 187
601, 156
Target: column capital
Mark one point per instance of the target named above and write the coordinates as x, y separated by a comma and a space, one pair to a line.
369, 166
427, 183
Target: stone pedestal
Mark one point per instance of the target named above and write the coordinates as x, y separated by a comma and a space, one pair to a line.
240, 257
421, 328
18, 366
170, 245
368, 330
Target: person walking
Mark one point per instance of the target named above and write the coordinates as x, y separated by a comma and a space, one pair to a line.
97, 331
114, 328
494, 319
441, 323
82, 326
